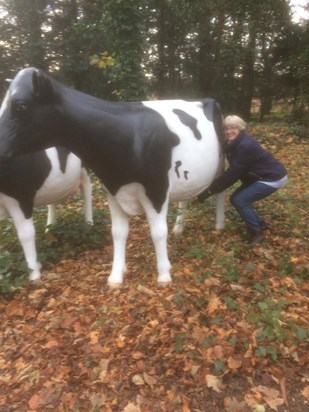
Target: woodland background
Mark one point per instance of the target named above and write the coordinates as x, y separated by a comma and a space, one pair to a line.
231, 333
239, 52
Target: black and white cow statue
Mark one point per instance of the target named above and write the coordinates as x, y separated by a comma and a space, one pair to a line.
35, 179
146, 153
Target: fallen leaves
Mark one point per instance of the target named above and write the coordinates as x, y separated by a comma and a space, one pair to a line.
305, 392
15, 309
213, 304
214, 382
234, 363
51, 344
269, 395
233, 405
229, 335
94, 337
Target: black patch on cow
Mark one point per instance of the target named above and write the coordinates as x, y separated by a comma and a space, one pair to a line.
213, 113
189, 121
63, 154
208, 108
185, 173
23, 176
177, 166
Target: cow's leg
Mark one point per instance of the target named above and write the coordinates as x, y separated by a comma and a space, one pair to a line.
26, 235
220, 211
87, 195
158, 229
179, 224
120, 231
51, 215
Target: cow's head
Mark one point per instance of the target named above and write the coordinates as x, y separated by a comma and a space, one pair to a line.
29, 107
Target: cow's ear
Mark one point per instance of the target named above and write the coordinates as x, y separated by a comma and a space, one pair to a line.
6, 84
42, 87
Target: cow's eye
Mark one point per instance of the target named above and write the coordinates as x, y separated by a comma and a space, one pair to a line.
20, 107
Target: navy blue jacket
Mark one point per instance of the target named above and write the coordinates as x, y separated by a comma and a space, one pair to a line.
248, 162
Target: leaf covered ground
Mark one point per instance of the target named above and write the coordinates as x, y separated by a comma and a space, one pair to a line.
230, 334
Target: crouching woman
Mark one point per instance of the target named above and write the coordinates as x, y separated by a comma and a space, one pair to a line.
259, 172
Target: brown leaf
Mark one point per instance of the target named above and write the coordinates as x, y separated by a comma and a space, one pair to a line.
138, 380
145, 290
94, 337
97, 400
102, 370
35, 402
273, 403
150, 380
51, 344
214, 382
305, 392
213, 304
215, 353
15, 308
270, 396
233, 405
137, 355
252, 401
121, 341
185, 403
234, 363
131, 408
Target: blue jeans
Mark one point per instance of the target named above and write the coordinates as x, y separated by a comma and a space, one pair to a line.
242, 200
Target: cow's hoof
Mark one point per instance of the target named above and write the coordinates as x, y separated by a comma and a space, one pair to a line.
177, 231
164, 284
34, 276
164, 279
114, 285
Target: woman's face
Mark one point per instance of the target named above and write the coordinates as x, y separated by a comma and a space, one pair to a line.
231, 132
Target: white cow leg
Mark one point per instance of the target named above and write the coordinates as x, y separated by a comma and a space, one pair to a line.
179, 224
158, 229
87, 195
120, 231
26, 234
51, 215
220, 214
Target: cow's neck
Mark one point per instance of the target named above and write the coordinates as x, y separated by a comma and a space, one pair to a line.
94, 130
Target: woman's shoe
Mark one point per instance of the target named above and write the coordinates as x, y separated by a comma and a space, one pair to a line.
256, 236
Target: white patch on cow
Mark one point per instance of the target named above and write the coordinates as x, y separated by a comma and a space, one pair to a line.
59, 185
199, 158
7, 203
130, 198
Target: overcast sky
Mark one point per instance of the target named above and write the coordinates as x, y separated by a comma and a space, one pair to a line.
298, 9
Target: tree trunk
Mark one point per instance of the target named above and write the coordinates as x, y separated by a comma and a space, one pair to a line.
247, 80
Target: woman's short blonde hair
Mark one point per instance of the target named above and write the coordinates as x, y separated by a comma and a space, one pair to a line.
234, 121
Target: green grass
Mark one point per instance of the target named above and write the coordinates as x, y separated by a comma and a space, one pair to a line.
68, 237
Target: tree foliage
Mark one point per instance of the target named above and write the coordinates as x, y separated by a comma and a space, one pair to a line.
235, 51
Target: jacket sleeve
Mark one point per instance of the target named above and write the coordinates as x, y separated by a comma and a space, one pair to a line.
239, 167
227, 179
